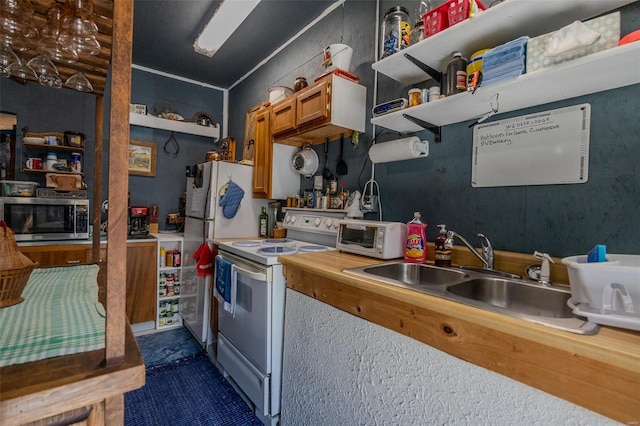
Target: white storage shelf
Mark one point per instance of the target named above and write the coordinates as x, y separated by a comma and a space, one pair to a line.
168, 311
506, 21
174, 125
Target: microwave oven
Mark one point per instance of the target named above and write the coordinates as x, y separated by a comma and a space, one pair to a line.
382, 240
41, 219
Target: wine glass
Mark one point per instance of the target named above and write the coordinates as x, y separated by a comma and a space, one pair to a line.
79, 82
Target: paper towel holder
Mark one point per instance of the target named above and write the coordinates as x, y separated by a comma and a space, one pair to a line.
419, 146
436, 130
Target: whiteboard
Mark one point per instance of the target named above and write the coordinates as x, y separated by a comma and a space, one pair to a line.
544, 148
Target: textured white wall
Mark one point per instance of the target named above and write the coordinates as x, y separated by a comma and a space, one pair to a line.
342, 370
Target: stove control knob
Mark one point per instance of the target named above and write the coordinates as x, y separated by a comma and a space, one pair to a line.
328, 222
317, 221
336, 225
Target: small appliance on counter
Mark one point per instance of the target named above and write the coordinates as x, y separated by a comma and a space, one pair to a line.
138, 223
46, 219
382, 240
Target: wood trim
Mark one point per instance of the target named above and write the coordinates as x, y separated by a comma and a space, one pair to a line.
97, 179
600, 372
57, 385
118, 179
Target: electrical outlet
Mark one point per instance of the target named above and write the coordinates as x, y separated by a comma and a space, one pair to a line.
369, 204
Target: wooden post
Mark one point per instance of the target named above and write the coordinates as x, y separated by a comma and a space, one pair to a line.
118, 179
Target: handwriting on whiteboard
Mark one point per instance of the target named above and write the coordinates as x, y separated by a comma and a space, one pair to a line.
536, 149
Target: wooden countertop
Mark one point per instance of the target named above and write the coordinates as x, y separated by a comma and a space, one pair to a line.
599, 372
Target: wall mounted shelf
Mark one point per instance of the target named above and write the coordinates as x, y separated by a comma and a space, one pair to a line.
174, 125
499, 24
605, 70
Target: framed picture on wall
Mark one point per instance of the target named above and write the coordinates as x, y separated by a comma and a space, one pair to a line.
142, 158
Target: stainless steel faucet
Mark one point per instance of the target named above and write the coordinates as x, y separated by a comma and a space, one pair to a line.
487, 251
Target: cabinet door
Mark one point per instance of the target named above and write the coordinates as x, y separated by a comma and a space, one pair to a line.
314, 104
141, 282
56, 255
283, 116
262, 155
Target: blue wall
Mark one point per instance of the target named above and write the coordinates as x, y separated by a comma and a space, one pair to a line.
42, 109
161, 93
562, 220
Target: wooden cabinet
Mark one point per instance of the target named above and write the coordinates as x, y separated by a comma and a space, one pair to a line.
141, 281
262, 155
283, 116
327, 109
57, 255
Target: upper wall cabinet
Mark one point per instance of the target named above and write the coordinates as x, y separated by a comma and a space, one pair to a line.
609, 69
174, 125
326, 109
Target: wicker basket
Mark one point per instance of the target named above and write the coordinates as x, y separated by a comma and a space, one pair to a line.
15, 268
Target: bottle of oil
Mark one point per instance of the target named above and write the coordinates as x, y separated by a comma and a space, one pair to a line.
263, 223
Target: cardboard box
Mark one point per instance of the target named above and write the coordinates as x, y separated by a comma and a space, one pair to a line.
608, 26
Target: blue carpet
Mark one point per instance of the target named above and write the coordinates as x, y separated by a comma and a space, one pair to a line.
167, 346
183, 387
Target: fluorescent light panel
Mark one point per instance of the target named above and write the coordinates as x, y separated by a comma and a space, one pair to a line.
224, 22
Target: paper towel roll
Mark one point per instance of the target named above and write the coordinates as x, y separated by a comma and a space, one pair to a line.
399, 149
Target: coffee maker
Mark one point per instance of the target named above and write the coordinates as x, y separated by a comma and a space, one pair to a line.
138, 223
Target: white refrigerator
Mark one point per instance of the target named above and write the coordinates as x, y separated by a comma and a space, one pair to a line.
204, 221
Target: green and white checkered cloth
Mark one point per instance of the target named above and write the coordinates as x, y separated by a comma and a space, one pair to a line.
60, 315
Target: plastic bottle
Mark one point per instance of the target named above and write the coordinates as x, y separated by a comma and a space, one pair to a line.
415, 248
443, 247
457, 75
263, 223
163, 256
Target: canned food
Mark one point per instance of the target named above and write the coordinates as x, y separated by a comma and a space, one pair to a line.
176, 259
163, 290
169, 261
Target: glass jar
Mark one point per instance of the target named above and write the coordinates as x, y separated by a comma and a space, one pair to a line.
395, 31
417, 33
300, 84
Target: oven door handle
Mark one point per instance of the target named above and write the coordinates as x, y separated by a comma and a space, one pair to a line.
258, 276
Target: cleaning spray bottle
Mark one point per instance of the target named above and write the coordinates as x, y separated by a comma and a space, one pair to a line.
415, 249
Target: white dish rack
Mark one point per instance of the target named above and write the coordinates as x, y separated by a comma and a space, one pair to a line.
608, 292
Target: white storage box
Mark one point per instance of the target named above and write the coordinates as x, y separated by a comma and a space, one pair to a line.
608, 26
606, 292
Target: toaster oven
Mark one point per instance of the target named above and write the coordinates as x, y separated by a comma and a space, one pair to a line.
382, 240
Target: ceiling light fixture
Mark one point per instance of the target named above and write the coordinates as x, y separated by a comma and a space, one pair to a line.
226, 19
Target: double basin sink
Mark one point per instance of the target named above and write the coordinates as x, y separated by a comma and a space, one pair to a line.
527, 300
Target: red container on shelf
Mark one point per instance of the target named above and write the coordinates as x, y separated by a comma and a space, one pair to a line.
435, 20
446, 15
458, 10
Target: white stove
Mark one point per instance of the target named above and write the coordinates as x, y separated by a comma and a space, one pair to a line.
250, 338
308, 231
